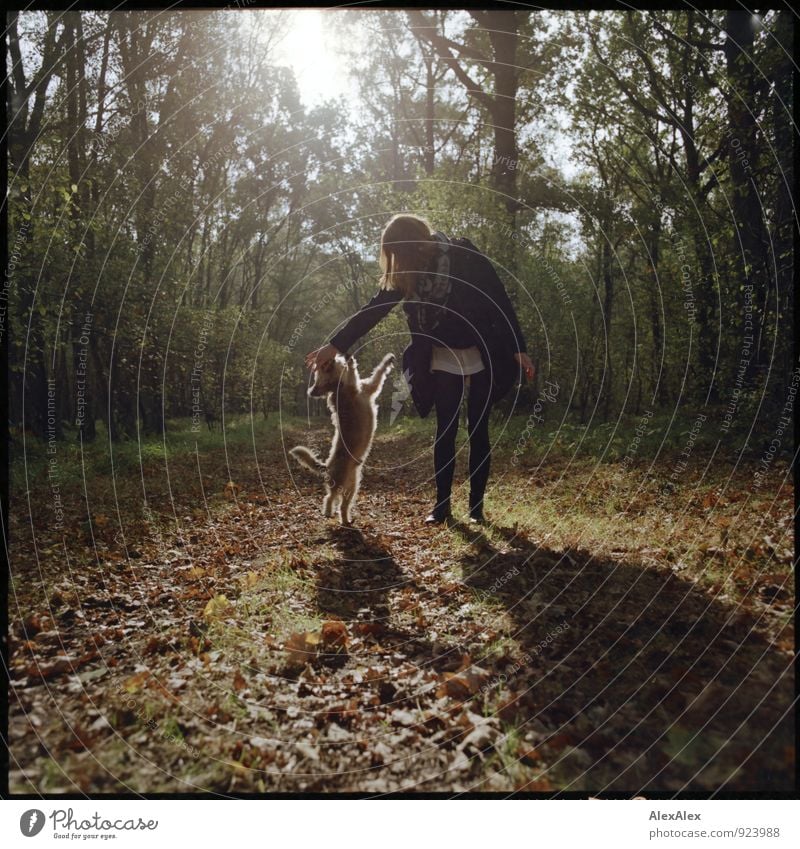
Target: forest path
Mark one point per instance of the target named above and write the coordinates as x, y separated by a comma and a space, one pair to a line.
265, 649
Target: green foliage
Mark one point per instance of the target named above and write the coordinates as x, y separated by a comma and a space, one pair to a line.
214, 227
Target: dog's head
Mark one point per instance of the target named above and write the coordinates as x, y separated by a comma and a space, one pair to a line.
333, 376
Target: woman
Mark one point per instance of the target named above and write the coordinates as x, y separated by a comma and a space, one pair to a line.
464, 332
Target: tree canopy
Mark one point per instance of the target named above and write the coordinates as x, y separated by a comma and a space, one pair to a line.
629, 174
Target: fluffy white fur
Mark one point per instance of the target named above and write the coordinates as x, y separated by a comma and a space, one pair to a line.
354, 413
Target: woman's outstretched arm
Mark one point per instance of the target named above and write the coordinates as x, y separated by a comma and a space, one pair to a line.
362, 322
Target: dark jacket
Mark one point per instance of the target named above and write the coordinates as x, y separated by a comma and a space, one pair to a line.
480, 313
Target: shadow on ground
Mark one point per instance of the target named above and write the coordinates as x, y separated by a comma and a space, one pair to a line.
356, 588
638, 677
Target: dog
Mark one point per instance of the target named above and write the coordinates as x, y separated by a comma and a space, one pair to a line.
354, 413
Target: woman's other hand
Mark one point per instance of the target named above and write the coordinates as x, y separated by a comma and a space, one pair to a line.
323, 355
527, 366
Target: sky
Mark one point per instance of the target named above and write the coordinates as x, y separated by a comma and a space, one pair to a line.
310, 49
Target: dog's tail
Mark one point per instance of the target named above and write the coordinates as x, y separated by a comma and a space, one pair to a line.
306, 457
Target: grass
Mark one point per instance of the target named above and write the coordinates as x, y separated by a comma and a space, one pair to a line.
274, 599
179, 444
506, 753
640, 437
285, 572
568, 484
530, 443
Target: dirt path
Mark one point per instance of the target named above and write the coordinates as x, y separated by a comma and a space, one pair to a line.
262, 649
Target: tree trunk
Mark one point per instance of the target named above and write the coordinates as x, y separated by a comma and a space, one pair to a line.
784, 226
743, 156
608, 312
429, 155
504, 38
29, 387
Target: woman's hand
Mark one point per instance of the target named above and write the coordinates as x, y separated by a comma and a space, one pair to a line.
323, 355
527, 366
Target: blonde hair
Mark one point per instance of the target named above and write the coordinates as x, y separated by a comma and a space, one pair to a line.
406, 245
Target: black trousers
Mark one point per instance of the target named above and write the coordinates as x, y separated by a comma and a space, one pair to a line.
450, 390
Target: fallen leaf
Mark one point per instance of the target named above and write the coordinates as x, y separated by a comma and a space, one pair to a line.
464, 684
307, 751
155, 645
334, 634
31, 625
369, 629
44, 671
217, 606
302, 647
530, 756
59, 666
535, 785
136, 682
403, 717
480, 739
